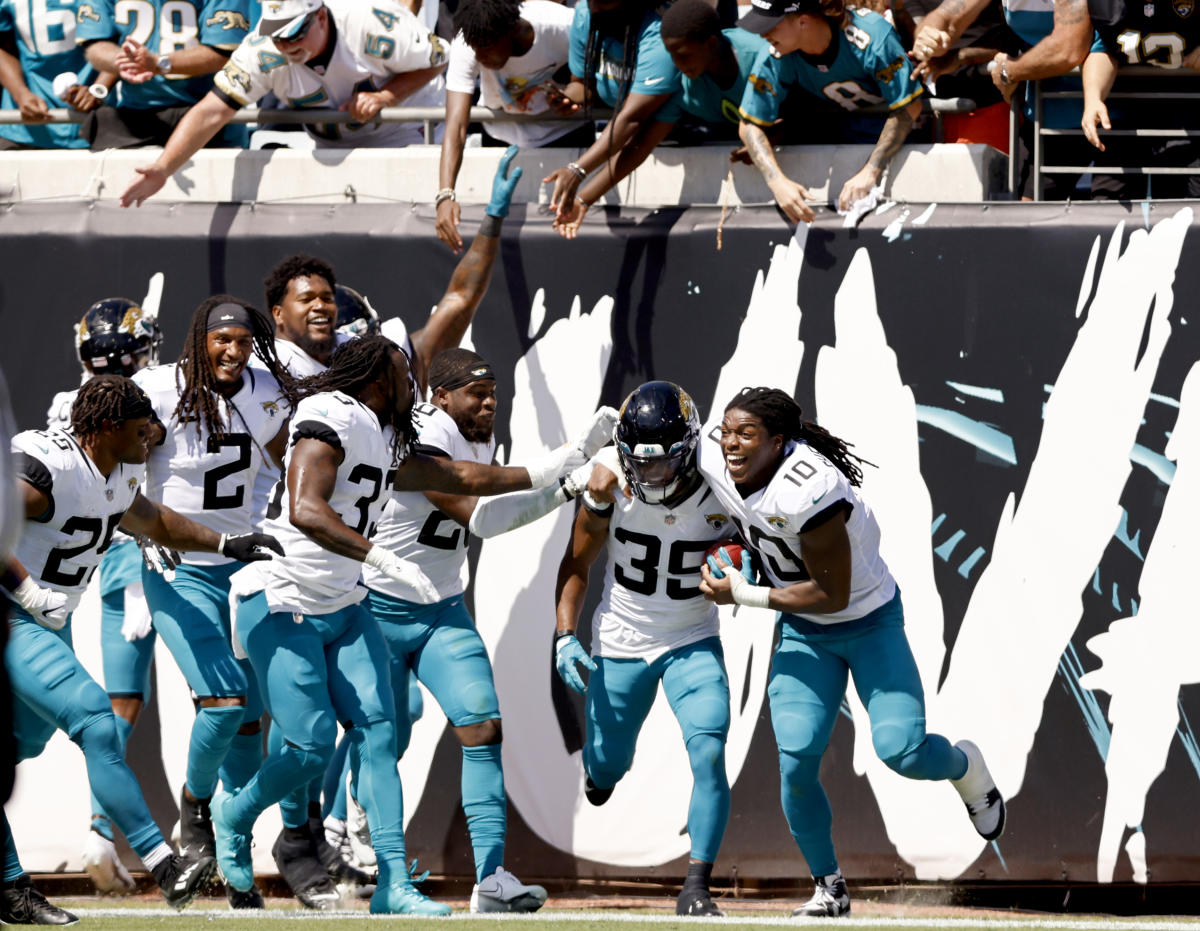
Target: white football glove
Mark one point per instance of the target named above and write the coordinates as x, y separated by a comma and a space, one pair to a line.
139, 622
403, 571
570, 456
158, 558
600, 433
46, 606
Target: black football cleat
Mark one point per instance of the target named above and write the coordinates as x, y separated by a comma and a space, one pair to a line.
21, 904
249, 899
595, 795
697, 901
296, 857
195, 828
181, 879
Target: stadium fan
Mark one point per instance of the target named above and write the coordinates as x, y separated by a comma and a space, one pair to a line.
654, 626
352, 441
37, 47
715, 66
793, 488
616, 56
1163, 35
214, 411
517, 53
76, 489
165, 55
116, 336
854, 59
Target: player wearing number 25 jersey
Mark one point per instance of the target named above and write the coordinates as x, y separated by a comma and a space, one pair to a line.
652, 624
75, 490
791, 489
217, 414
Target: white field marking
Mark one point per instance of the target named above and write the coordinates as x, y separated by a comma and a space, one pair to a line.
597, 915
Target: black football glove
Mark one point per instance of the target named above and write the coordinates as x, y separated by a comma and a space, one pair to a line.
248, 547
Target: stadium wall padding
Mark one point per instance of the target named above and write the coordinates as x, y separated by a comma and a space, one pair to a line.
1021, 376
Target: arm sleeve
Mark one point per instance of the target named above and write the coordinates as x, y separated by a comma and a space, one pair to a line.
499, 514
224, 23
760, 105
316, 430
463, 70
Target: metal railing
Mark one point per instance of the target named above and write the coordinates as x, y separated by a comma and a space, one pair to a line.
1040, 132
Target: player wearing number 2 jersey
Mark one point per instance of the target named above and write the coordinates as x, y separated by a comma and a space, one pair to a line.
315, 648
76, 490
652, 623
219, 418
792, 490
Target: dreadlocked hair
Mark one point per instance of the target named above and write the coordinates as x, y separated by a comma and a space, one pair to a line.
107, 398
485, 22
194, 375
295, 266
782, 416
355, 365
623, 24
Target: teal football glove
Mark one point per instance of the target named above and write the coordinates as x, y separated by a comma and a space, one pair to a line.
717, 570
568, 652
503, 185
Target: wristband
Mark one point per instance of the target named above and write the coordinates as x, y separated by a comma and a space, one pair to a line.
559, 634
600, 509
575, 169
221, 543
490, 226
446, 193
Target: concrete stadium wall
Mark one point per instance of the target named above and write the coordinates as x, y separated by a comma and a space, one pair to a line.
1022, 376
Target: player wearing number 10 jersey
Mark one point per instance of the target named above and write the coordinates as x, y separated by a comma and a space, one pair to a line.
216, 413
652, 623
791, 488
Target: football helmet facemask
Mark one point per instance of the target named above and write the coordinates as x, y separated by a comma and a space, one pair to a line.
657, 435
116, 337
355, 315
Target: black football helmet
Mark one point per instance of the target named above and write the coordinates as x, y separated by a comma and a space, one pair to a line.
355, 315
657, 435
115, 337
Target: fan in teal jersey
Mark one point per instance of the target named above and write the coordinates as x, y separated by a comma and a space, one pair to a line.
43, 34
853, 58
714, 65
166, 52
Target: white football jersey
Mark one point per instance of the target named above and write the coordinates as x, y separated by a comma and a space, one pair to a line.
375, 42
62, 550
772, 519
311, 579
203, 478
414, 529
651, 601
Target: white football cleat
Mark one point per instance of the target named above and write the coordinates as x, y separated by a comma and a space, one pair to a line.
830, 900
979, 793
104, 867
359, 833
503, 892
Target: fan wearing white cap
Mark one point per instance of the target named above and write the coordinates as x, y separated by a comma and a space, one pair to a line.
340, 54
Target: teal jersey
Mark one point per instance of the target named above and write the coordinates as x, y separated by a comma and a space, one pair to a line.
654, 73
865, 66
45, 40
165, 27
704, 98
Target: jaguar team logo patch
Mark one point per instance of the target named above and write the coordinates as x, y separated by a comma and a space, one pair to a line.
1183, 8
779, 523
716, 521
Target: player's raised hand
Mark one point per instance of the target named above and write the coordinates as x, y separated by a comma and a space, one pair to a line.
599, 432
149, 182
46, 606
503, 184
248, 547
568, 656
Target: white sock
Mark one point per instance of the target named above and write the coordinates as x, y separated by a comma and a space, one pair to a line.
156, 856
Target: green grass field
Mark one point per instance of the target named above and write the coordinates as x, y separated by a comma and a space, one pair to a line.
107, 915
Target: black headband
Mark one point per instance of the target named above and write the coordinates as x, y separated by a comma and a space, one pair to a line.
224, 315
461, 375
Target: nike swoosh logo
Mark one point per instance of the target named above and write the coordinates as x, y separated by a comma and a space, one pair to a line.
45, 451
820, 496
649, 81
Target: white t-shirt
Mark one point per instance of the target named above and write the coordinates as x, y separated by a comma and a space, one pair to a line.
375, 42
519, 87
772, 519
414, 529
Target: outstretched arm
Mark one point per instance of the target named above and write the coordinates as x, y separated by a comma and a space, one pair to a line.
791, 197
895, 130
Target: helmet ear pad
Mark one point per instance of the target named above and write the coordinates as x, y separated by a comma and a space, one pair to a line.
657, 434
116, 337
355, 315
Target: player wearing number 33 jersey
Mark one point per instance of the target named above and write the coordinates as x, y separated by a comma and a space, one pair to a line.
792, 489
220, 418
652, 624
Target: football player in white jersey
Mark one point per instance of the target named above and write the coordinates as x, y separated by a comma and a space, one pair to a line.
76, 489
217, 413
351, 441
652, 624
791, 488
115, 336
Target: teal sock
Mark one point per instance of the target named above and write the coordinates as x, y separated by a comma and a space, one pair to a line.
242, 761
101, 823
285, 772
373, 755
708, 812
212, 734
115, 785
485, 806
12, 863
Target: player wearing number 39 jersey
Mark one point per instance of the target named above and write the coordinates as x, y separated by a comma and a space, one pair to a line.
318, 654
76, 490
792, 490
220, 419
652, 624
